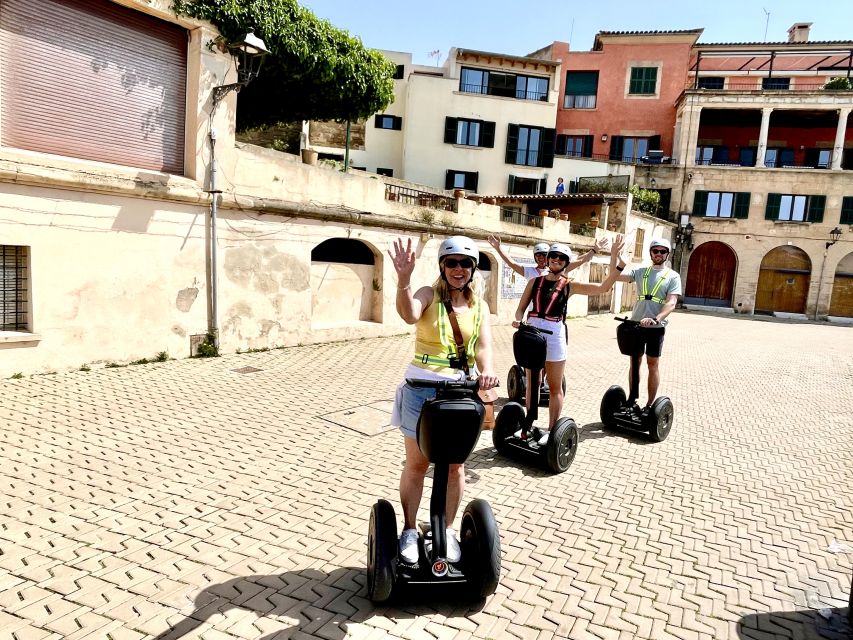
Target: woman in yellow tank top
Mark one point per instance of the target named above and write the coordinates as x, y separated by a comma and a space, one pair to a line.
435, 351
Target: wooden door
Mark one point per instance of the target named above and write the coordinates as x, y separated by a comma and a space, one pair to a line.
783, 281
599, 303
841, 303
711, 275
629, 296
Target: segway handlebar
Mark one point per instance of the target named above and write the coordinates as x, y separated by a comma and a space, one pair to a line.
626, 320
445, 385
522, 323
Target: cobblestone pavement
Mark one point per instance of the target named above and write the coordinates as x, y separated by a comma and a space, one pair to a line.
188, 500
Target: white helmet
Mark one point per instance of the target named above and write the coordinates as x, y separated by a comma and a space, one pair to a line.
459, 245
660, 242
540, 247
559, 247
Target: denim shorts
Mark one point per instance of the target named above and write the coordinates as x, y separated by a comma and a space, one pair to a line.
408, 403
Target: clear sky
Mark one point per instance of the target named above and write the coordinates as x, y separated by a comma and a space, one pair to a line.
520, 27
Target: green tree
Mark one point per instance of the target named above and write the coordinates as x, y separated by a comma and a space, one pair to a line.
837, 84
314, 71
646, 200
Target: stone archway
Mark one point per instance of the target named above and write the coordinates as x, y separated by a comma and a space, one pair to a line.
711, 275
346, 283
486, 268
783, 281
841, 303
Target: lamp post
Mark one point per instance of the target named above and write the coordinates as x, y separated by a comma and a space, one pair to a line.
834, 236
684, 237
249, 54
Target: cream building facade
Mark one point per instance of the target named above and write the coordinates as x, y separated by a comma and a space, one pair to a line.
111, 261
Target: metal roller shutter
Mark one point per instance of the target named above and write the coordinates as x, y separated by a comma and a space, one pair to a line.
94, 80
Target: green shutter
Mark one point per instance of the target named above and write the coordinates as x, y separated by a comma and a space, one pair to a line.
847, 210
510, 185
448, 179
511, 143
700, 202
815, 209
547, 155
617, 143
487, 134
450, 130
581, 83
741, 206
774, 201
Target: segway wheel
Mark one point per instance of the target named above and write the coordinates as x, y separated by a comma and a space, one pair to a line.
562, 445
481, 548
381, 551
506, 424
516, 384
613, 400
660, 419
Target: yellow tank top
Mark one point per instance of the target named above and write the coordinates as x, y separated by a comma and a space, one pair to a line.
434, 343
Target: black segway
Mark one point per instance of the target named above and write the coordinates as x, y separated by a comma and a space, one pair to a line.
514, 433
619, 411
448, 430
516, 386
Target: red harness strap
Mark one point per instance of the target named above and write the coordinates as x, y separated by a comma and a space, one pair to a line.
545, 314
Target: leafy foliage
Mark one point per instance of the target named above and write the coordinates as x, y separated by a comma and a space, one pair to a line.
314, 71
837, 84
646, 200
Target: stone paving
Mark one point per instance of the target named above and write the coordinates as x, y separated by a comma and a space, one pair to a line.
185, 499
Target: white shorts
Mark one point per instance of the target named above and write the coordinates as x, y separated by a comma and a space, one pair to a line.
557, 340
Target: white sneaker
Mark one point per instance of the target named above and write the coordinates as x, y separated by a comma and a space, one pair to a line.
409, 546
454, 552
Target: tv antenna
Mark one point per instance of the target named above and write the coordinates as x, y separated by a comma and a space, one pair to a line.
766, 22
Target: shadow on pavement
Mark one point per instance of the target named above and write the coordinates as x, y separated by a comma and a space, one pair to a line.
284, 597
806, 624
596, 430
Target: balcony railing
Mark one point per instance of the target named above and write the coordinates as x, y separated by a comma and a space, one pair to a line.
766, 84
515, 216
396, 193
518, 94
626, 159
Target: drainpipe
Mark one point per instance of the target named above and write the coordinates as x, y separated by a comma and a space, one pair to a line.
346, 153
212, 305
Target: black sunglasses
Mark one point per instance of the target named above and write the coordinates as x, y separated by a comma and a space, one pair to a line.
660, 252
465, 263
558, 256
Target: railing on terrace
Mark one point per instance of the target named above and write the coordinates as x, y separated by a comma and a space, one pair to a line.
515, 216
765, 84
788, 164
645, 159
406, 195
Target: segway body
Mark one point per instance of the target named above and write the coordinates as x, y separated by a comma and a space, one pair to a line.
514, 434
448, 430
620, 412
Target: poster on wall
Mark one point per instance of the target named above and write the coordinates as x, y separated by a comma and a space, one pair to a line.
512, 284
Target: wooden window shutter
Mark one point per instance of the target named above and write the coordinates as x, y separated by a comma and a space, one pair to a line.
741, 205
587, 146
94, 80
774, 201
816, 207
397, 122
471, 180
511, 143
377, 121
450, 130
487, 134
847, 210
617, 143
700, 203
561, 147
448, 179
510, 185
654, 143
547, 155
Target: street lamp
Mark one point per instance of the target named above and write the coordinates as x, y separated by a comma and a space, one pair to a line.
835, 234
249, 54
685, 235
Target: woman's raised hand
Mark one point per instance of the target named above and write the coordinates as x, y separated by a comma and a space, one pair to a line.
617, 246
601, 243
403, 259
495, 241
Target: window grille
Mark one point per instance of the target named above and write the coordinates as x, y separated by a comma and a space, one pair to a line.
13, 288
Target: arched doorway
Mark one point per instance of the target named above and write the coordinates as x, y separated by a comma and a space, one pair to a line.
345, 287
783, 281
842, 289
490, 285
711, 275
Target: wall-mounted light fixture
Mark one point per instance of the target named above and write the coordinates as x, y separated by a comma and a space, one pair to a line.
653, 183
835, 234
249, 54
684, 236
604, 137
